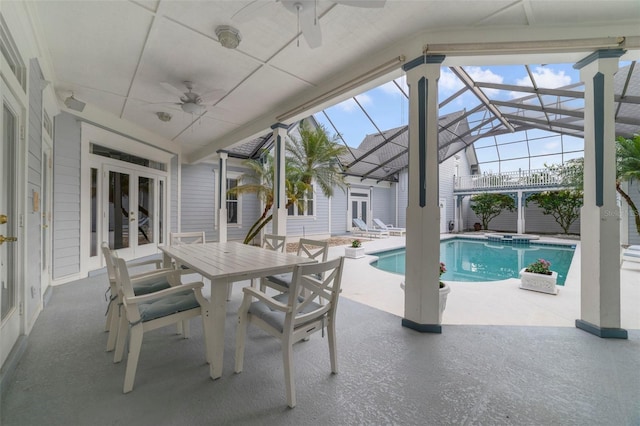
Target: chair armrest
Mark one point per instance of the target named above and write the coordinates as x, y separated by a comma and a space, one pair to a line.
150, 274
154, 275
162, 293
254, 292
157, 262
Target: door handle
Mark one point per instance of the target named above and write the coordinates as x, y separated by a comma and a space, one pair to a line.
3, 219
7, 239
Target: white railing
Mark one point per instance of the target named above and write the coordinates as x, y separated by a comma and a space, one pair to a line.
520, 179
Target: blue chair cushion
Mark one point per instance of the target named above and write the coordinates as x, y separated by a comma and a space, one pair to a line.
168, 305
276, 318
151, 286
283, 280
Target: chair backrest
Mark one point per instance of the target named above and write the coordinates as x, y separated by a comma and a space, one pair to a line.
178, 238
360, 224
274, 242
313, 249
108, 260
318, 288
380, 224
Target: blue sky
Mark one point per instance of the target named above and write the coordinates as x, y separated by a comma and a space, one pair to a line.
388, 108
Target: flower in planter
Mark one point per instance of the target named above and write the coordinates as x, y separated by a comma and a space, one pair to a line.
540, 266
356, 243
443, 269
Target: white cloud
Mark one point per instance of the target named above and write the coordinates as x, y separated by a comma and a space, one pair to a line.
449, 83
350, 105
546, 77
391, 89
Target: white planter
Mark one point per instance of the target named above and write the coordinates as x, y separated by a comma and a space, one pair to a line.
444, 292
354, 252
539, 282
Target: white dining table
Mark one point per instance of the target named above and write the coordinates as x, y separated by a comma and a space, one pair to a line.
223, 264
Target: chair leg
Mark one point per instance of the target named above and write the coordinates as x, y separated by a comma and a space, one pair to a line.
287, 355
121, 339
205, 333
179, 330
186, 329
229, 289
107, 324
333, 353
135, 343
241, 333
114, 318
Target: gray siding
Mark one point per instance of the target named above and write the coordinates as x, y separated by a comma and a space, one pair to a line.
173, 212
338, 212
34, 174
384, 205
403, 198
634, 193
198, 196
318, 224
66, 196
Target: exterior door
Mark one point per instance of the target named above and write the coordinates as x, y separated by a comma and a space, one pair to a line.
133, 205
443, 216
10, 290
45, 208
360, 207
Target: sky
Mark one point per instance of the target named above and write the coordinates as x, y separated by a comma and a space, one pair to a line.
387, 108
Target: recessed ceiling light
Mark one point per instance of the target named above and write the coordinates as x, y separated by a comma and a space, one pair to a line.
228, 36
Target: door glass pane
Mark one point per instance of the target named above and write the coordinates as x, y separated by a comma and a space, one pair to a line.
7, 260
118, 210
354, 210
160, 211
146, 195
94, 212
364, 211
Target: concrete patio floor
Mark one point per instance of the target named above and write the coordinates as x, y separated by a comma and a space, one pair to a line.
485, 303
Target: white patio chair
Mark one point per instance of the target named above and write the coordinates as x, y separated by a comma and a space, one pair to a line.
274, 242
150, 286
313, 249
365, 231
391, 229
180, 238
176, 304
308, 307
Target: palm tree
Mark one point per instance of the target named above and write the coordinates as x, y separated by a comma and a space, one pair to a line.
315, 157
628, 169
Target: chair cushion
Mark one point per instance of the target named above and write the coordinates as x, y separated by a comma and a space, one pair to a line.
283, 280
632, 253
150, 286
276, 318
168, 305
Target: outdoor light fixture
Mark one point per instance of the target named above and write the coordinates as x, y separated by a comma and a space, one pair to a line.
74, 104
192, 108
164, 116
228, 36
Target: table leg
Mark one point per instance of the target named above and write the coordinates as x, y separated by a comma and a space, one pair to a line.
217, 316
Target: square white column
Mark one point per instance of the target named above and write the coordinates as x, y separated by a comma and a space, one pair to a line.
279, 188
222, 197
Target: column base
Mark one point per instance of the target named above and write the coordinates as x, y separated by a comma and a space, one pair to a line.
422, 328
605, 333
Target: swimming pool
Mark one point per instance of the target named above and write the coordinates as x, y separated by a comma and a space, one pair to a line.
482, 260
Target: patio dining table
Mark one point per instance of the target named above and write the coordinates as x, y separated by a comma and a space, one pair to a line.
223, 264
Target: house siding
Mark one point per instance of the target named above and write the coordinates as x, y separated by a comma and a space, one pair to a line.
198, 200
66, 201
338, 211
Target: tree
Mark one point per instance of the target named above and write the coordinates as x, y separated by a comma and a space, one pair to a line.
563, 205
628, 169
315, 158
312, 158
487, 206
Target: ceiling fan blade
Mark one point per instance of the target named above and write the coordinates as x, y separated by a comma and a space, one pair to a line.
250, 11
171, 89
362, 3
310, 27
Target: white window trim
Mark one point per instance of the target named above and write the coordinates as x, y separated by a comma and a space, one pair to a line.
238, 177
295, 214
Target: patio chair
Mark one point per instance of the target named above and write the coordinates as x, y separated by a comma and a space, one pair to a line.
318, 250
274, 242
308, 307
113, 310
630, 254
179, 238
391, 229
176, 304
364, 230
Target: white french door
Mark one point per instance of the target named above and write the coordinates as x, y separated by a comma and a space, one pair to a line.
128, 207
360, 207
10, 289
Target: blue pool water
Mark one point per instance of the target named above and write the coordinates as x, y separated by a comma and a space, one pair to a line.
481, 260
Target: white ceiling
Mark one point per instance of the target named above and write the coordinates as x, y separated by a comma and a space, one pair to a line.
113, 55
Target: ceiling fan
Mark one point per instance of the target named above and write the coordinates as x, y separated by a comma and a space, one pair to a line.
307, 14
190, 101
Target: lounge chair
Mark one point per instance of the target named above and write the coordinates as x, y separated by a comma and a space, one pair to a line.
391, 229
364, 231
631, 254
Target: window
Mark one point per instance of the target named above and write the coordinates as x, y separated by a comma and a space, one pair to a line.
232, 202
306, 207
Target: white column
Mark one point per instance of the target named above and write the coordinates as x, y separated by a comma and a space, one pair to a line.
600, 215
421, 303
279, 188
520, 207
222, 197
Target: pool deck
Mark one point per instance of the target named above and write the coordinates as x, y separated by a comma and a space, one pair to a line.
495, 303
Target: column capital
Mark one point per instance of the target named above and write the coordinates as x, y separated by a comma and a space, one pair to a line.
599, 54
424, 59
279, 126
223, 155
